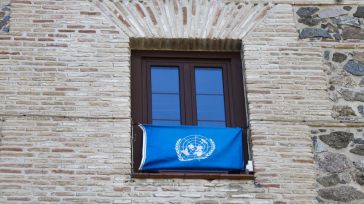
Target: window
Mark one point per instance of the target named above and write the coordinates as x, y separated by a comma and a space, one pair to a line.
186, 88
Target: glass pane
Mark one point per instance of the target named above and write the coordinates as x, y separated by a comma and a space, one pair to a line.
211, 123
166, 122
165, 80
165, 95
165, 106
209, 81
210, 107
210, 96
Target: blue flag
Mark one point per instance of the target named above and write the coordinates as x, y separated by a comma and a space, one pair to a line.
191, 148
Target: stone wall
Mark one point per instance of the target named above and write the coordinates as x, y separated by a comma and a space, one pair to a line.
339, 155
65, 101
338, 149
345, 64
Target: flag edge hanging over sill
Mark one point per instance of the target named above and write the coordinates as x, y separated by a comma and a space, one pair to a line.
202, 158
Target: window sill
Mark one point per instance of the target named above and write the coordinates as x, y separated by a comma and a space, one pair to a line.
207, 176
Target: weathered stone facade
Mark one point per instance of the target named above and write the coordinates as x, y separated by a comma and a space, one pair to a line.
65, 98
339, 151
339, 156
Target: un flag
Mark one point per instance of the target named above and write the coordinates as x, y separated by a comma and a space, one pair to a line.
191, 148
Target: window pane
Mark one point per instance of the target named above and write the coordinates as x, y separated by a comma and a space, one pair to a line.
165, 96
210, 107
165, 106
209, 81
209, 96
165, 80
211, 123
166, 122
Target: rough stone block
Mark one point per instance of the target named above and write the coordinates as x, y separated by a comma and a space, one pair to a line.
314, 33
333, 162
330, 180
358, 149
359, 12
347, 20
337, 140
307, 12
353, 33
339, 57
354, 67
342, 193
334, 12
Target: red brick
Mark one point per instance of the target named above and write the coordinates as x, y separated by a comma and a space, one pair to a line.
10, 187
66, 89
18, 198
12, 149
110, 32
271, 185
87, 31
20, 2
66, 31
90, 13
280, 202
140, 10
62, 150
86, 40
45, 39
123, 21
43, 21
10, 171
49, 199
5, 154
76, 26
9, 53
5, 38
60, 171
151, 15
24, 39
310, 161
88, 69
122, 189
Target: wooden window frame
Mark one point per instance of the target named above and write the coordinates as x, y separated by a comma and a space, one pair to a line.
235, 105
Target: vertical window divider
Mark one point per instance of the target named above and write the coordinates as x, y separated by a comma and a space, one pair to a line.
183, 97
145, 92
148, 89
193, 93
227, 76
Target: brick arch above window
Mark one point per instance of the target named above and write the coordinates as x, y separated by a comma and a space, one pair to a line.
185, 19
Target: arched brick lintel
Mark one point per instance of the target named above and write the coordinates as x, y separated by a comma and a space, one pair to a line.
184, 19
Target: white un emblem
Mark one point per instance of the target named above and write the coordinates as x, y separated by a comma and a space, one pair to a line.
194, 147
